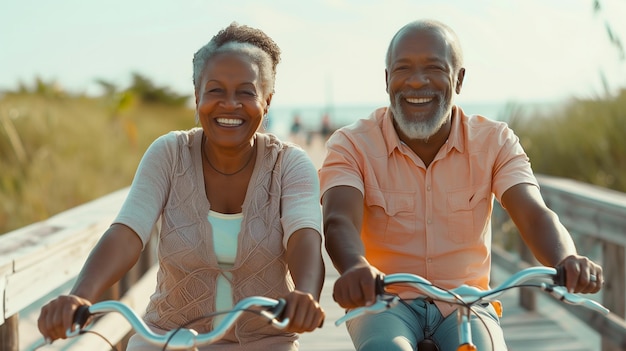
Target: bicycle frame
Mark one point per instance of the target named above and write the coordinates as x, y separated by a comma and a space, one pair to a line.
184, 338
466, 296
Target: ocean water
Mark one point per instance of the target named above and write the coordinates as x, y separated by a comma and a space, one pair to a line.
281, 117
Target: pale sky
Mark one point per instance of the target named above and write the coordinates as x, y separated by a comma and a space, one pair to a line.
333, 50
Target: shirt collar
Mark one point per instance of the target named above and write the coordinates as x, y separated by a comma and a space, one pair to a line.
456, 137
392, 140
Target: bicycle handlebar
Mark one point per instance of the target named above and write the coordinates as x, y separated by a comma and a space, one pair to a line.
183, 338
469, 295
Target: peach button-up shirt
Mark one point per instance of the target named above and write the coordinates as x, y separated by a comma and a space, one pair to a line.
432, 221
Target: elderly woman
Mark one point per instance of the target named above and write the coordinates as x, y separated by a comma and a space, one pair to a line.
239, 212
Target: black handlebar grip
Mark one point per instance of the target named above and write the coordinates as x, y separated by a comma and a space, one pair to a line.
380, 285
559, 277
81, 315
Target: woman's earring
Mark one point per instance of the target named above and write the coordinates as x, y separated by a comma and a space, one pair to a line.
266, 122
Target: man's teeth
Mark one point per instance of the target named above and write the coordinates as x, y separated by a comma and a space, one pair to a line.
229, 121
418, 100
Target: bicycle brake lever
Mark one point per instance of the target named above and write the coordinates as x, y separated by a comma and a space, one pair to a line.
561, 293
274, 313
382, 303
280, 324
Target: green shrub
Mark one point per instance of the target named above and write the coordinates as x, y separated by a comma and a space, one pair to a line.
57, 152
582, 140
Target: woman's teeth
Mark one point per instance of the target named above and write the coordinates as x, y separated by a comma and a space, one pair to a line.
229, 121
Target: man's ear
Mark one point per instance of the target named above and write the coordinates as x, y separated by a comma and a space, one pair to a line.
459, 80
386, 81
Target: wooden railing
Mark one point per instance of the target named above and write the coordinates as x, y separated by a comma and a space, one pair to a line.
596, 218
37, 259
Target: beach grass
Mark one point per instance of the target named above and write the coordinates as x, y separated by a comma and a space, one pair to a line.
583, 140
57, 152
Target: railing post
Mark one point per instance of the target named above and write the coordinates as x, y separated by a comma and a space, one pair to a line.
614, 285
9, 337
527, 297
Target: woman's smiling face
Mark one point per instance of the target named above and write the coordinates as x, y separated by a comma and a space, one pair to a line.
230, 101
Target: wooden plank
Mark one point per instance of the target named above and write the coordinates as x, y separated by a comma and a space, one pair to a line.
30, 256
615, 270
112, 325
104, 208
5, 270
9, 340
587, 208
38, 273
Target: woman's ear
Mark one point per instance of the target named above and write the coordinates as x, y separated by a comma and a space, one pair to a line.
268, 101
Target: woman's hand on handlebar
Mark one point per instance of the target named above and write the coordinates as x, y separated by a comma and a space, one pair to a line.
57, 316
581, 274
304, 312
357, 286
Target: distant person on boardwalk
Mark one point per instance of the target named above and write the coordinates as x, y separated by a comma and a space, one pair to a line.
295, 131
326, 128
409, 190
240, 212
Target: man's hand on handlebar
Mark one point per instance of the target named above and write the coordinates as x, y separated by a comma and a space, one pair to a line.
581, 274
57, 316
357, 286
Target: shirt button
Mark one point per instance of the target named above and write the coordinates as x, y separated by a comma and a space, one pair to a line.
429, 221
428, 188
429, 260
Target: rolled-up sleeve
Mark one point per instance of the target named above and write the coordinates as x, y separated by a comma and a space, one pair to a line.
149, 189
300, 194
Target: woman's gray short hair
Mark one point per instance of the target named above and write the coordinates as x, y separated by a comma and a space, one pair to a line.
249, 41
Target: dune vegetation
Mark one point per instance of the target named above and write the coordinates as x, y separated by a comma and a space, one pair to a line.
582, 139
58, 151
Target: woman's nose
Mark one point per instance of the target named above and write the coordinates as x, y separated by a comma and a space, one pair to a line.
231, 101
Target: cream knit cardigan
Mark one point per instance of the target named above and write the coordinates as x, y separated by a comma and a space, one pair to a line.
282, 197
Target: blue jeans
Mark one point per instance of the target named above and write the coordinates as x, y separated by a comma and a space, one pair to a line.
402, 327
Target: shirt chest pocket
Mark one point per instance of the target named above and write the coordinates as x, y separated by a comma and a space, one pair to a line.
468, 213
389, 215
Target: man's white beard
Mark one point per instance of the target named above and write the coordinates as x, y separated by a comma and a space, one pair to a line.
421, 130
